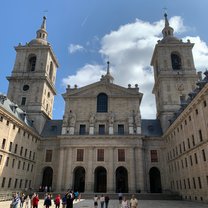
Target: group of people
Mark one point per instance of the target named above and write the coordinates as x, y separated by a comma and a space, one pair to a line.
103, 200
26, 201
124, 203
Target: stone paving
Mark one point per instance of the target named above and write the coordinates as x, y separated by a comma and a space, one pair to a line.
142, 204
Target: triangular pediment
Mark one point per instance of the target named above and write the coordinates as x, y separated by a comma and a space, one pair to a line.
110, 89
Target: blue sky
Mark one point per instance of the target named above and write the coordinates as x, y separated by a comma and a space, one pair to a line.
85, 34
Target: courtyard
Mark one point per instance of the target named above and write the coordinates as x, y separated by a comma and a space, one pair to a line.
142, 204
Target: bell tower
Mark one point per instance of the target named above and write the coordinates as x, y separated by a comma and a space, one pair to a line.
174, 73
32, 83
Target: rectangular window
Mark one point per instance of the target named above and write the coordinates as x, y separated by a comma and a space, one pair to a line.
189, 146
23, 102
193, 140
23, 166
82, 129
184, 147
33, 155
15, 183
9, 182
10, 146
7, 162
100, 155
196, 159
1, 118
31, 168
205, 103
30, 154
21, 150
49, 154
25, 152
191, 162
189, 184
120, 129
3, 144
26, 181
80, 154
204, 155
13, 162
186, 162
14, 126
200, 184
3, 182
153, 154
1, 156
28, 166
200, 136
121, 155
7, 123
101, 129
184, 183
20, 185
194, 183
15, 149
19, 164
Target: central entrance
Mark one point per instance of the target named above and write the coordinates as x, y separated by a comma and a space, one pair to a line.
79, 179
100, 180
155, 180
47, 177
121, 180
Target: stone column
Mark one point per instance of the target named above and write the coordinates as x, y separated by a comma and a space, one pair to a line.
140, 170
132, 175
68, 166
60, 170
89, 177
111, 175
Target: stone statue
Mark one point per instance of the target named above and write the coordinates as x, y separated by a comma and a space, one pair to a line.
92, 119
138, 118
72, 119
111, 118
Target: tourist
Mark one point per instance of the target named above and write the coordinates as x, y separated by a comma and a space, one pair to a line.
106, 201
76, 195
27, 201
95, 201
64, 201
120, 197
15, 201
22, 200
57, 201
69, 199
35, 201
102, 201
133, 202
125, 203
47, 201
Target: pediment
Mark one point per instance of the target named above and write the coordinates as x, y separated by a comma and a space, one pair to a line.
110, 89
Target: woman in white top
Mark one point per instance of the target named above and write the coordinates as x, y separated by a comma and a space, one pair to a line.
124, 203
95, 201
102, 200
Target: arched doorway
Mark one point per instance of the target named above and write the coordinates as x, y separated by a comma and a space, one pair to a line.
100, 180
79, 179
121, 180
155, 180
47, 177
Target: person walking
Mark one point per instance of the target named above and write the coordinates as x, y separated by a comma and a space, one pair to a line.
95, 201
57, 201
106, 201
27, 201
125, 203
35, 201
133, 202
47, 201
15, 201
102, 201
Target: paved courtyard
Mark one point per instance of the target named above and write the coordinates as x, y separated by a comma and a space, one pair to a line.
142, 204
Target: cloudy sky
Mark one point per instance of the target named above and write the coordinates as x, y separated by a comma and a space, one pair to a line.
85, 34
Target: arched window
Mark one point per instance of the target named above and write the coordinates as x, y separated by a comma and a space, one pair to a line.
176, 61
102, 103
32, 63
51, 71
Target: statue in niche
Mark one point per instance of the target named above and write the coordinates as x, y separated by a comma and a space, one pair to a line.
92, 119
130, 120
72, 119
138, 118
111, 118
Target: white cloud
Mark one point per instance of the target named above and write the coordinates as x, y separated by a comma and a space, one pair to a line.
75, 48
85, 75
130, 50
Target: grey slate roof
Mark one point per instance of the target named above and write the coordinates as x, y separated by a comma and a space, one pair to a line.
151, 127
52, 128
14, 109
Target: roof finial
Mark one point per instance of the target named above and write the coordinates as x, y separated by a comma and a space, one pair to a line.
108, 67
166, 20
43, 26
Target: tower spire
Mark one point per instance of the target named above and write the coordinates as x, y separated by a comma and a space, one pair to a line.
43, 26
108, 67
167, 30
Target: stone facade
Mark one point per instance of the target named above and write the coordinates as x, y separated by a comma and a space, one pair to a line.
102, 144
